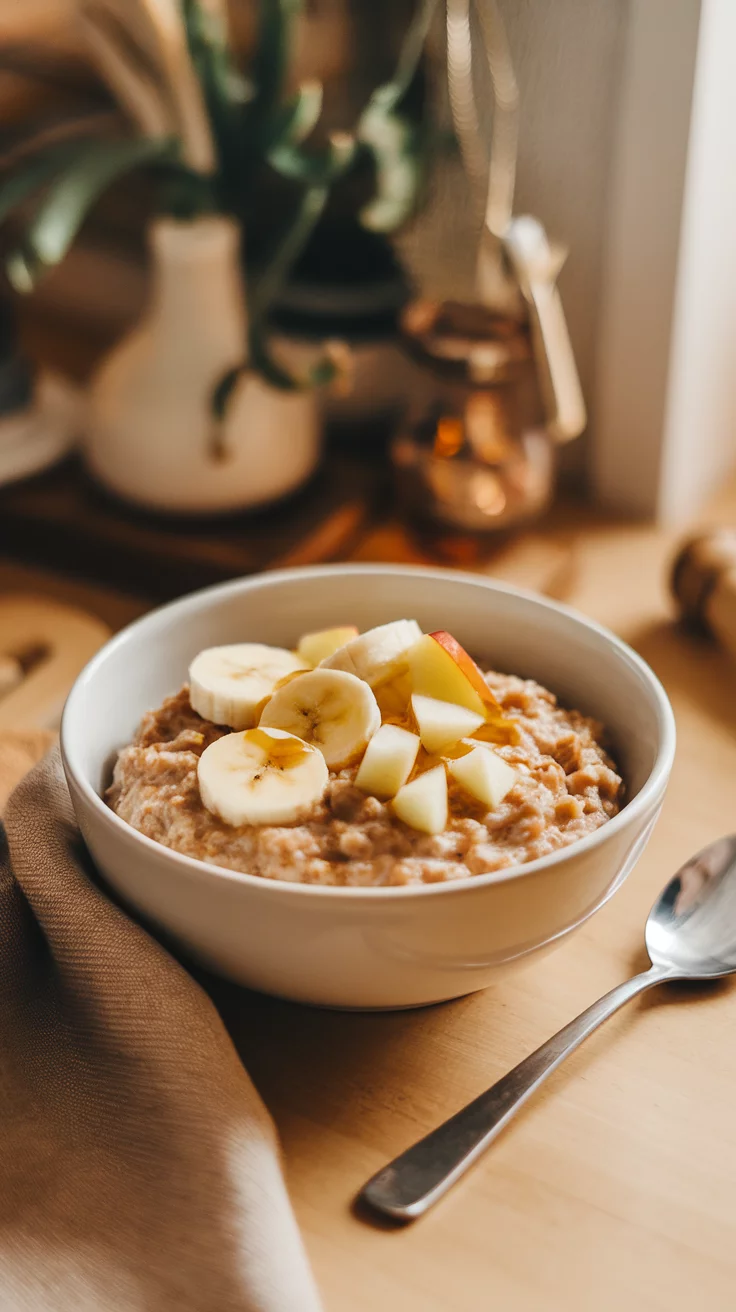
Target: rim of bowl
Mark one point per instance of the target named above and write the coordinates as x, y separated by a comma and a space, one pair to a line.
651, 789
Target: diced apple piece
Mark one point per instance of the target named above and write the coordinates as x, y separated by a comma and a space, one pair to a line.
483, 774
441, 724
388, 761
441, 668
316, 647
422, 804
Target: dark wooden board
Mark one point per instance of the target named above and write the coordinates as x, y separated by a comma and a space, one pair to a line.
62, 521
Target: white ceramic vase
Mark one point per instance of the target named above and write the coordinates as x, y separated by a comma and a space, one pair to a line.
151, 435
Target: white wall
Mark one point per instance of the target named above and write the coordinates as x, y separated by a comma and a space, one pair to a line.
635, 324
665, 401
699, 447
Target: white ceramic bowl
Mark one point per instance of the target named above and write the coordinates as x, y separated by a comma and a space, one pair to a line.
385, 947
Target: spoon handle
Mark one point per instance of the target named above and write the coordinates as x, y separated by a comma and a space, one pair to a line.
409, 1185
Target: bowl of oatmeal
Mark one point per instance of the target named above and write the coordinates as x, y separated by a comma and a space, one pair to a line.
366, 786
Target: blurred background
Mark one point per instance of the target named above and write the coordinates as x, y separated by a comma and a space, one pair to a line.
414, 280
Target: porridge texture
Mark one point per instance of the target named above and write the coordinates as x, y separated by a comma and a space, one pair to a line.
566, 787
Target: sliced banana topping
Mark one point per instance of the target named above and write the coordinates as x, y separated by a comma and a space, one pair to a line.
329, 709
261, 777
229, 685
314, 720
377, 655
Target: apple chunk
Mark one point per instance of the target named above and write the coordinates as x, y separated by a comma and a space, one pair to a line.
422, 804
483, 774
316, 647
388, 761
441, 724
443, 669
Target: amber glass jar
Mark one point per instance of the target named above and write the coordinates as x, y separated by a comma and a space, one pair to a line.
473, 454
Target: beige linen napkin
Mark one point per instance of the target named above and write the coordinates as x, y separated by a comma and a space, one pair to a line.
139, 1170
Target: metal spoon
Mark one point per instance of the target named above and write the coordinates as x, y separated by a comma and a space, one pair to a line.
690, 935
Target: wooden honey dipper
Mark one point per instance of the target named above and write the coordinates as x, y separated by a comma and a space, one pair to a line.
704, 584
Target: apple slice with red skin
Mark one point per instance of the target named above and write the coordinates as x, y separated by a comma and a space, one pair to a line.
442, 669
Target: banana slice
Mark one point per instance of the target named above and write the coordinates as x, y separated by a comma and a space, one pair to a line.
376, 656
261, 777
329, 709
229, 685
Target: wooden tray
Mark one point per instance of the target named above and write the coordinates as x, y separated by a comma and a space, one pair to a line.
62, 521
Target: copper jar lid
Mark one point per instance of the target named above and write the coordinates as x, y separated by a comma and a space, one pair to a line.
466, 341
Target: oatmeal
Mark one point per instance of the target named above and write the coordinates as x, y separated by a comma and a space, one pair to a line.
565, 786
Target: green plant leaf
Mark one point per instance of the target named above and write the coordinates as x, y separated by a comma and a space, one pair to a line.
33, 173
208, 44
393, 92
273, 43
296, 119
316, 168
262, 293
223, 390
68, 200
262, 361
266, 284
184, 193
392, 137
225, 91
393, 142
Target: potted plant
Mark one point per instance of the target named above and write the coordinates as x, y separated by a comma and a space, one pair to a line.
193, 412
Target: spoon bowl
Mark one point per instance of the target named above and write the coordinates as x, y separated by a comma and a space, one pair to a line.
691, 930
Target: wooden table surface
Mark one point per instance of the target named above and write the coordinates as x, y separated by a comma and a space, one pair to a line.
616, 1188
